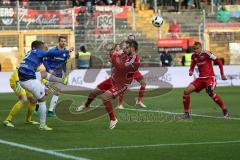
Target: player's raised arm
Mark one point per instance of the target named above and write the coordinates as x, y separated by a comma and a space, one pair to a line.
43, 53
130, 50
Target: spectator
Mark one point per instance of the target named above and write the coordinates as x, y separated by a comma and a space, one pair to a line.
25, 3
197, 4
188, 4
42, 6
78, 2
174, 29
216, 2
83, 58
186, 59
5, 2
177, 5
89, 4
233, 2
142, 4
222, 15
103, 2
166, 58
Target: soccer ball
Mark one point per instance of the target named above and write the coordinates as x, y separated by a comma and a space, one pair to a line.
157, 21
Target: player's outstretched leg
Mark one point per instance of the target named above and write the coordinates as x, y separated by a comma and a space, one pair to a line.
51, 78
91, 97
186, 101
218, 100
107, 102
141, 92
38, 90
120, 101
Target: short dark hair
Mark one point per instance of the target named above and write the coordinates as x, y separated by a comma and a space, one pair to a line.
133, 43
197, 44
83, 49
131, 35
61, 37
36, 44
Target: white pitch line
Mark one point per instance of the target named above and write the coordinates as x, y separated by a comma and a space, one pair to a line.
146, 146
174, 113
41, 150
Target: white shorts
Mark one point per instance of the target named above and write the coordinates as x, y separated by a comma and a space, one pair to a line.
35, 87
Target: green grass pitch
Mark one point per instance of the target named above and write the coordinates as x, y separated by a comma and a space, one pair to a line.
138, 136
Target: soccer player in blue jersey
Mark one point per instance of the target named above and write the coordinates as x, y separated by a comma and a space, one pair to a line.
56, 65
28, 80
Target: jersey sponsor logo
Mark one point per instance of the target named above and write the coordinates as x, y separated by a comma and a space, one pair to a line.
201, 63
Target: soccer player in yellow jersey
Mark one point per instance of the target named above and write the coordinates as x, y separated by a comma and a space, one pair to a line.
24, 98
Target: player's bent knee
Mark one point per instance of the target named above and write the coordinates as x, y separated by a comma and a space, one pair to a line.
143, 83
23, 99
95, 93
33, 100
209, 91
106, 97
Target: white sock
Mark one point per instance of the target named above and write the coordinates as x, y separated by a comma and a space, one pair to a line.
42, 109
53, 103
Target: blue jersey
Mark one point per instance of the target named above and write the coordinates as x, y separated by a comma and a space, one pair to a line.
57, 63
33, 60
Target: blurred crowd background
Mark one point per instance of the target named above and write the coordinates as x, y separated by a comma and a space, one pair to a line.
94, 24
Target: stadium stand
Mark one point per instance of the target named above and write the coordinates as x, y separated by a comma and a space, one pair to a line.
95, 29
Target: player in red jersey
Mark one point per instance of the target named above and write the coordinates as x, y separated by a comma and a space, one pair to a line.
140, 79
206, 80
123, 67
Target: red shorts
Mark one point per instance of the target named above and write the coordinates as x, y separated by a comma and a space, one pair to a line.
116, 90
203, 83
137, 75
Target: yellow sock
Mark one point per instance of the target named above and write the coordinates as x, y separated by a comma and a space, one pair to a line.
14, 110
31, 108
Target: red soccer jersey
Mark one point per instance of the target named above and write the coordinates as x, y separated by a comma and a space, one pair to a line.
123, 70
204, 63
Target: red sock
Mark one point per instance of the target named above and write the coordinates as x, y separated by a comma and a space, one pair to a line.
120, 99
186, 103
141, 93
89, 101
109, 107
218, 100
